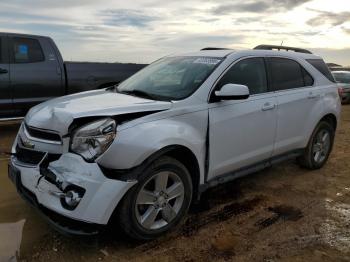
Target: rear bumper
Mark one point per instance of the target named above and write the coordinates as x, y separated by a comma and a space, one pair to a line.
96, 206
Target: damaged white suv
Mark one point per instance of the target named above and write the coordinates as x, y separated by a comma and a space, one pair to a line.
140, 152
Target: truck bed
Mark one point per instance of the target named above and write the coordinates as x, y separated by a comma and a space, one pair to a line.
82, 76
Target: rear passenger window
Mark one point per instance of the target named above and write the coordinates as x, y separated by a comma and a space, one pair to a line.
250, 72
287, 74
321, 66
27, 50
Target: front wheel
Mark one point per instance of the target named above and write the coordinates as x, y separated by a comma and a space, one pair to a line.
319, 147
158, 202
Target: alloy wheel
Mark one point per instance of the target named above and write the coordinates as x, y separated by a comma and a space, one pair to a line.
159, 200
321, 146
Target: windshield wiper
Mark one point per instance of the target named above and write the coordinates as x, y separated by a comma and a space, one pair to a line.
113, 87
139, 93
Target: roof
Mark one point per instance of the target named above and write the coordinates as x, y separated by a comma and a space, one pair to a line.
209, 53
22, 34
249, 52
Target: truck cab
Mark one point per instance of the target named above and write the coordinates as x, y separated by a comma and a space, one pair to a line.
30, 73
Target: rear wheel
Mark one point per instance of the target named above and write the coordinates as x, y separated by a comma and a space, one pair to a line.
319, 146
158, 202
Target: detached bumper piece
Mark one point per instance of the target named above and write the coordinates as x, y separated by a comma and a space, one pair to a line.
62, 224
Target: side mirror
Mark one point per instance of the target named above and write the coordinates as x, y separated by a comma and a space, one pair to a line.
232, 92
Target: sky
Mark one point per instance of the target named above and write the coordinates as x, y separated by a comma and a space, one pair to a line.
142, 31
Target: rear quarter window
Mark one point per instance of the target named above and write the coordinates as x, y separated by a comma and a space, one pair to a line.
321, 66
308, 80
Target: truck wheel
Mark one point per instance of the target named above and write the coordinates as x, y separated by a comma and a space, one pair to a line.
158, 202
319, 147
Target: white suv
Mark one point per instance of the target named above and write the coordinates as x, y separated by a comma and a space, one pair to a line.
140, 152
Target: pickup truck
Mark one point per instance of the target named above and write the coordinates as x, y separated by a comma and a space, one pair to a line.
32, 71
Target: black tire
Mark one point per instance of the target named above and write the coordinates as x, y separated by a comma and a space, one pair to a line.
127, 208
307, 160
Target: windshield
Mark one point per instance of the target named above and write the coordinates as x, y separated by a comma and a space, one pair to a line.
342, 77
171, 78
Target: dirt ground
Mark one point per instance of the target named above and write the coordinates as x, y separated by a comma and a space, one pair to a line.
284, 213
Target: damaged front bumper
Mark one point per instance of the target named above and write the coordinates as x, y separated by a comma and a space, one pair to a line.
46, 185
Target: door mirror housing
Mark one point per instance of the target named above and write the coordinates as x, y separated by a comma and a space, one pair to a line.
232, 92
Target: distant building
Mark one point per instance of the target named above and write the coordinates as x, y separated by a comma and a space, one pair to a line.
333, 65
336, 67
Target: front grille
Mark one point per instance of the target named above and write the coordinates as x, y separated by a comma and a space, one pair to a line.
42, 134
29, 156
32, 157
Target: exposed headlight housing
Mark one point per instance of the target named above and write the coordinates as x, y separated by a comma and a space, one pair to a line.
93, 139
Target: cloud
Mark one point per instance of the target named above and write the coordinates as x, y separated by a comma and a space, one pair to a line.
329, 18
257, 6
339, 56
52, 4
144, 30
127, 17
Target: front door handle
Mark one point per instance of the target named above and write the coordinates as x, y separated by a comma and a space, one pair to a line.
268, 106
3, 71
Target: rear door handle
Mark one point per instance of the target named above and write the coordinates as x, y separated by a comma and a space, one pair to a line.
312, 96
268, 106
3, 71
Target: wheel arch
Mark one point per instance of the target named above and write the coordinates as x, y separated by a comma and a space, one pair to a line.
330, 118
179, 152
185, 156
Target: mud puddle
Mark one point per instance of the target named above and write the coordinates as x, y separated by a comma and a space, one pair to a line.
195, 222
13, 208
10, 240
280, 213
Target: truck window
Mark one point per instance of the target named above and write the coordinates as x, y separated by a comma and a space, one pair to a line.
27, 50
1, 50
2, 55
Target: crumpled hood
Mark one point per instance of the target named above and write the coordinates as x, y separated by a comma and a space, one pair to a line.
59, 113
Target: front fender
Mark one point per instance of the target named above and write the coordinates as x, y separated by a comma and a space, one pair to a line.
134, 145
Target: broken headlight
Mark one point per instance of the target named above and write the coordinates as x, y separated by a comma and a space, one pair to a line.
93, 139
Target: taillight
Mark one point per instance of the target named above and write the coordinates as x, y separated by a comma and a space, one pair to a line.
340, 91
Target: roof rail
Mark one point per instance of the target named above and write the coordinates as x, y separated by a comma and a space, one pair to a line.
214, 48
279, 47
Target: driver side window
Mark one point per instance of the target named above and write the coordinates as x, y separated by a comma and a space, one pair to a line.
250, 72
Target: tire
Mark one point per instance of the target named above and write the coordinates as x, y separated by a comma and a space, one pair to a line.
138, 204
315, 155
